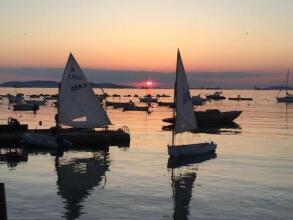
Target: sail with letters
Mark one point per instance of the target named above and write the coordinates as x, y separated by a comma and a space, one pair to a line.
78, 105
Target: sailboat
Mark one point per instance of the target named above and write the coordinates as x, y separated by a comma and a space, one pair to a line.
78, 105
79, 109
185, 119
289, 97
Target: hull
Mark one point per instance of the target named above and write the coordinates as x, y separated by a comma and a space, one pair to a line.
287, 99
241, 99
148, 99
168, 104
37, 102
215, 97
191, 149
135, 108
212, 117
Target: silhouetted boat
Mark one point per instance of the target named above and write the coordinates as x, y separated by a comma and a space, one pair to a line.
212, 117
78, 108
148, 99
25, 107
167, 104
289, 97
216, 96
239, 98
185, 120
136, 108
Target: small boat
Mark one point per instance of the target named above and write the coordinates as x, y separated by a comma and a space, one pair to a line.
25, 107
288, 98
239, 98
117, 104
216, 96
148, 99
185, 119
136, 108
44, 141
35, 101
168, 104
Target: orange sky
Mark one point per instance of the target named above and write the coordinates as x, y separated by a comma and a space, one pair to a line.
212, 35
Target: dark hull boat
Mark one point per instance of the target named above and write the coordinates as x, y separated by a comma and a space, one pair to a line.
136, 108
216, 96
239, 98
212, 117
117, 104
167, 104
286, 99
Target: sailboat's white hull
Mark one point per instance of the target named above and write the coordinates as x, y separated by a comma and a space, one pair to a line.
191, 149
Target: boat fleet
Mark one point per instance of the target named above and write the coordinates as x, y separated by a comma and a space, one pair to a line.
81, 117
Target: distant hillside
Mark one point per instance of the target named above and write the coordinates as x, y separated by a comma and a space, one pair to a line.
54, 84
277, 88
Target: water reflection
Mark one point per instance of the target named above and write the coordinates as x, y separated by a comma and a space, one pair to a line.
183, 175
12, 156
77, 177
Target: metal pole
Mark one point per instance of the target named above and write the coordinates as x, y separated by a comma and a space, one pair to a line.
3, 209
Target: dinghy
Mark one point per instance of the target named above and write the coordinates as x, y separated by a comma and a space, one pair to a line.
185, 119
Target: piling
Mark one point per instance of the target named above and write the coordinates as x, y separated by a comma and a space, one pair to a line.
3, 209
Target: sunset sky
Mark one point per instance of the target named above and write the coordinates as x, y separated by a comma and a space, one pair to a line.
250, 36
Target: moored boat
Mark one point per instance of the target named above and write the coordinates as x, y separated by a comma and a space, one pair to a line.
212, 117
216, 96
148, 99
25, 107
288, 98
239, 98
136, 108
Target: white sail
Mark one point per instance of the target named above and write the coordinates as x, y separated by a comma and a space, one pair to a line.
78, 106
185, 117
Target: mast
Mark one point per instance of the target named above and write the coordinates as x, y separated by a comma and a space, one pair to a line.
174, 109
287, 82
56, 116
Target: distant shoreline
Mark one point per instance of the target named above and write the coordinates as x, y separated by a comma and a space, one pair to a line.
55, 84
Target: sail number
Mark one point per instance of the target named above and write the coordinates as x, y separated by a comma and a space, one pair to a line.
78, 87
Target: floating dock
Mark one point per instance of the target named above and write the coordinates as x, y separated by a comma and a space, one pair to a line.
78, 138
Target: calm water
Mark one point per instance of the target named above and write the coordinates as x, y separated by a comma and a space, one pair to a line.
250, 177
